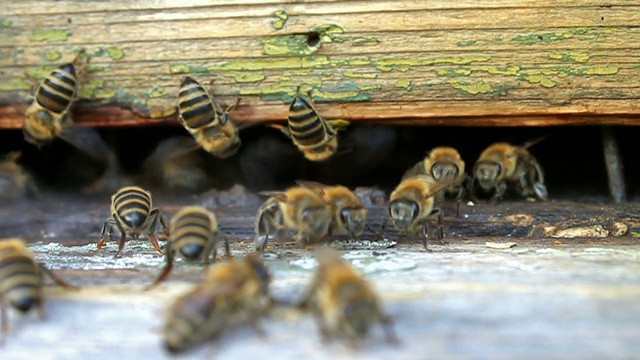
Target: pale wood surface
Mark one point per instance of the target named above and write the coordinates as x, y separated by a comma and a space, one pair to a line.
503, 62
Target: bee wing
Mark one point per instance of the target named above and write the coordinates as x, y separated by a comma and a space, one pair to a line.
283, 129
417, 169
173, 147
88, 141
313, 185
438, 187
338, 124
532, 142
278, 195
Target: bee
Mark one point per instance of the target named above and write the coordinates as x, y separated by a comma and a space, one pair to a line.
232, 293
195, 235
413, 204
300, 209
444, 165
501, 164
205, 120
343, 303
314, 136
15, 182
49, 115
132, 213
348, 215
21, 280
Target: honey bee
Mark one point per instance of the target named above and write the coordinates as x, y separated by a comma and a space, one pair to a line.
132, 213
413, 204
343, 303
205, 120
444, 165
348, 215
300, 209
501, 164
15, 182
49, 115
195, 235
232, 293
21, 280
314, 136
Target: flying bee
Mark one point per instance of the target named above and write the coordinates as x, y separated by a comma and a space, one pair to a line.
348, 215
232, 293
50, 116
132, 213
21, 280
195, 235
343, 303
501, 164
300, 208
205, 120
314, 136
413, 204
444, 165
15, 182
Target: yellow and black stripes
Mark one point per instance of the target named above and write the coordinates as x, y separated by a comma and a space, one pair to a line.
185, 327
132, 205
57, 91
192, 230
19, 277
195, 105
306, 127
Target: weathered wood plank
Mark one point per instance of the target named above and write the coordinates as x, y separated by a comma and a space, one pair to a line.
414, 61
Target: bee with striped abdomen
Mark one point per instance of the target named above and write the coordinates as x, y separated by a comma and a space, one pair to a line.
444, 165
21, 280
194, 236
348, 215
232, 293
302, 210
343, 303
49, 116
413, 204
205, 120
501, 164
314, 136
132, 213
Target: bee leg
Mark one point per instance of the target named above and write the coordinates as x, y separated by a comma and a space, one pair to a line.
439, 220
123, 239
169, 255
387, 327
500, 190
42, 269
425, 235
471, 188
106, 228
541, 191
155, 215
4, 324
255, 324
462, 192
538, 185
300, 240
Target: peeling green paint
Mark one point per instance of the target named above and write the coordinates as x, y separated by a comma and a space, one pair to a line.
52, 55
327, 33
472, 88
511, 70
497, 39
40, 72
154, 92
365, 41
352, 62
115, 53
351, 74
88, 89
546, 38
462, 60
537, 78
570, 56
244, 77
281, 20
4, 23
370, 87
405, 84
186, 69
288, 45
320, 95
466, 43
104, 94
53, 35
274, 63
404, 64
454, 72
94, 69
601, 70
564, 71
16, 83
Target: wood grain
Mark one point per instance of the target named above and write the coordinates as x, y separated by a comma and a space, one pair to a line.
462, 63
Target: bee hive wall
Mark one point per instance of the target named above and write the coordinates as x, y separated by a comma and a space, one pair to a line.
503, 62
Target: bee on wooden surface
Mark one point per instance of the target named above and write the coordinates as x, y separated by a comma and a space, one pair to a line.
232, 293
194, 236
501, 164
314, 136
15, 182
132, 213
49, 116
343, 303
205, 120
21, 280
413, 204
348, 215
301, 209
444, 165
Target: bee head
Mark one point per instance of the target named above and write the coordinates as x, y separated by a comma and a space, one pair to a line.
403, 213
444, 171
358, 315
354, 220
487, 173
317, 219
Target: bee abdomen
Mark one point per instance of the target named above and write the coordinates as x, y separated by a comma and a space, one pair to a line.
191, 233
195, 105
133, 206
19, 281
58, 89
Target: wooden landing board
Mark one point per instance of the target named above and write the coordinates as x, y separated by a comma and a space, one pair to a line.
487, 63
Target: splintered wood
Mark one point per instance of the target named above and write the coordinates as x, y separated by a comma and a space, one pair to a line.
502, 62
